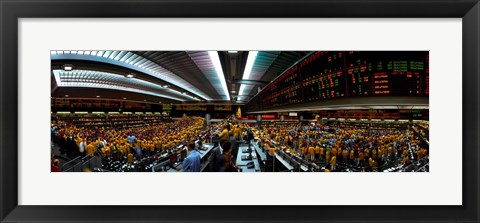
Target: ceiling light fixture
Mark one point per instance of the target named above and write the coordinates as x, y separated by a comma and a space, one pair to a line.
232, 51
98, 96
67, 95
130, 75
68, 67
252, 55
124, 98
218, 67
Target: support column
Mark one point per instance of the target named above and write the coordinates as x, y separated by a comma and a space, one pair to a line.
259, 120
208, 119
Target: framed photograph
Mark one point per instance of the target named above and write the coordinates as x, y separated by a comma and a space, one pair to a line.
105, 104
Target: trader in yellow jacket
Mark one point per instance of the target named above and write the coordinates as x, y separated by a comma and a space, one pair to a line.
327, 156
130, 158
344, 155
361, 159
90, 149
317, 152
333, 162
224, 135
351, 156
322, 152
311, 153
236, 132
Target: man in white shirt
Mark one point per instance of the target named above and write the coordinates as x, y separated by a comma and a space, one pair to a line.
82, 146
104, 142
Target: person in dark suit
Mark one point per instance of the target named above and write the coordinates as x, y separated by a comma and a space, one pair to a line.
216, 155
225, 161
71, 147
249, 135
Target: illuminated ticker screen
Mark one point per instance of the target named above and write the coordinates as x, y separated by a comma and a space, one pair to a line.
328, 75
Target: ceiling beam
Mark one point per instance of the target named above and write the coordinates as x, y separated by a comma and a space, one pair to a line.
250, 82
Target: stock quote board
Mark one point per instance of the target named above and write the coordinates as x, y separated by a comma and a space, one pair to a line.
327, 75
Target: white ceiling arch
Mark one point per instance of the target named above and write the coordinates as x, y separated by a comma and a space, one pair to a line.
132, 61
105, 80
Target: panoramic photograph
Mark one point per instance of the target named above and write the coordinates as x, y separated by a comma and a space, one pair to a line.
239, 111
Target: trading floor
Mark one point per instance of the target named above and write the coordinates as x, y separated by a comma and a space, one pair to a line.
239, 111
266, 146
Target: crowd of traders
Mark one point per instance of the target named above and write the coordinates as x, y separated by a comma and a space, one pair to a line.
137, 143
366, 149
124, 143
322, 144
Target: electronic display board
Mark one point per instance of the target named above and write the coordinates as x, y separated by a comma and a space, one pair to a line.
193, 107
136, 105
325, 75
83, 103
223, 108
166, 107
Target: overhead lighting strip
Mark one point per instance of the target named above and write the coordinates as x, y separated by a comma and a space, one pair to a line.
262, 62
252, 55
219, 71
132, 61
204, 63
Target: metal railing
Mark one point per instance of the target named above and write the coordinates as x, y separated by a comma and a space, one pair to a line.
70, 164
90, 161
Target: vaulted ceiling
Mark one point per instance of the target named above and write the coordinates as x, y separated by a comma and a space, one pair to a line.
167, 76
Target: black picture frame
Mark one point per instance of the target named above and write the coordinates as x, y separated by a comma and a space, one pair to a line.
11, 11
